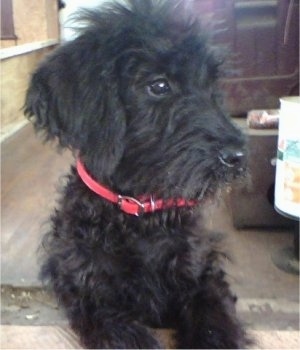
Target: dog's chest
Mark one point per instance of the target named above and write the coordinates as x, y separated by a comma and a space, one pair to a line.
155, 263
150, 273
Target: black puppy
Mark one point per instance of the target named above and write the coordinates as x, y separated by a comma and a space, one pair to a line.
135, 97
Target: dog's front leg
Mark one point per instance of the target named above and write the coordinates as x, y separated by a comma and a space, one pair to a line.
208, 320
113, 331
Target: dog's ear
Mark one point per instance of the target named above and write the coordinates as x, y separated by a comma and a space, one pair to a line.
73, 96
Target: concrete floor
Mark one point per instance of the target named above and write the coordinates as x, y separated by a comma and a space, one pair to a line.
31, 172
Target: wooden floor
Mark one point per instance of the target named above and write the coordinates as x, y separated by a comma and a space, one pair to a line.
30, 172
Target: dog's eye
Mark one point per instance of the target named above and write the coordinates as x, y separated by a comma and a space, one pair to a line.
159, 87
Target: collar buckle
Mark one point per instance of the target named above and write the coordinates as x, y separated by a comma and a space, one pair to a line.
131, 205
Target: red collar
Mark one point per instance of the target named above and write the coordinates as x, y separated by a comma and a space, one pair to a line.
130, 205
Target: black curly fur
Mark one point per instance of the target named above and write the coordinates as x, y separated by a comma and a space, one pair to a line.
117, 274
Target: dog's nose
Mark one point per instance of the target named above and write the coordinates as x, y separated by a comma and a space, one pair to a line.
233, 158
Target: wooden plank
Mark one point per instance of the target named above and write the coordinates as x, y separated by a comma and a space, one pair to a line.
38, 337
54, 337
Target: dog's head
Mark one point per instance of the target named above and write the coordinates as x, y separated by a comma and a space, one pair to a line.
135, 95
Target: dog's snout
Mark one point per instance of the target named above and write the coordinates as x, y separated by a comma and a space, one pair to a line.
233, 158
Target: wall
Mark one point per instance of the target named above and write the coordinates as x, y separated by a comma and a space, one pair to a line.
33, 21
15, 73
37, 29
